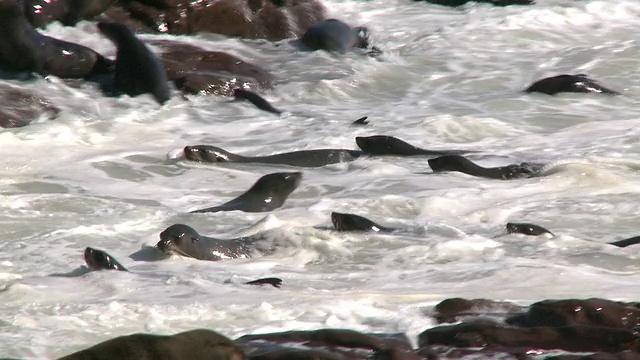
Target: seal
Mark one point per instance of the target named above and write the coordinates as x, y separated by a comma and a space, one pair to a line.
335, 36
138, 70
352, 222
362, 121
185, 240
267, 194
101, 260
255, 99
626, 242
302, 158
526, 229
464, 165
455, 3
579, 83
389, 145
24, 49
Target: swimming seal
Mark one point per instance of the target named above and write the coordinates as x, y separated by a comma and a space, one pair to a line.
455, 3
268, 193
389, 145
185, 240
579, 83
138, 70
352, 222
24, 49
464, 165
255, 99
302, 158
335, 35
100, 260
362, 121
526, 229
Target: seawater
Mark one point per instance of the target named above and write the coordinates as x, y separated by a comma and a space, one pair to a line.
108, 173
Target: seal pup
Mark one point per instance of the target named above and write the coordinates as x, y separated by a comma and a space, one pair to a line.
526, 229
579, 83
464, 165
389, 145
352, 222
138, 70
185, 240
334, 35
268, 193
24, 49
255, 99
101, 260
302, 158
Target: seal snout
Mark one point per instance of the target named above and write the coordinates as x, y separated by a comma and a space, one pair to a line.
337, 220
295, 178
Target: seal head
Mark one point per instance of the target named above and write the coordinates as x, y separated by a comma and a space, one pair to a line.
352, 222
100, 260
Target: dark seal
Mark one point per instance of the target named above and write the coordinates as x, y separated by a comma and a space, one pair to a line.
101, 260
526, 229
352, 222
185, 240
302, 158
138, 70
455, 3
335, 35
579, 83
464, 165
255, 99
267, 194
389, 145
22, 49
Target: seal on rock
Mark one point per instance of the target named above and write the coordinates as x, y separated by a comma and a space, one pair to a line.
24, 49
302, 158
267, 194
579, 83
138, 70
255, 99
352, 222
185, 240
526, 229
389, 145
464, 165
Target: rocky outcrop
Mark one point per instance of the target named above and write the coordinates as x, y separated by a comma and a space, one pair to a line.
20, 107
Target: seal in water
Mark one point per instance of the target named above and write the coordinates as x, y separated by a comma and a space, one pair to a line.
494, 2
335, 35
352, 222
579, 83
24, 49
303, 158
362, 121
268, 193
185, 240
526, 229
100, 260
389, 145
464, 165
255, 99
138, 70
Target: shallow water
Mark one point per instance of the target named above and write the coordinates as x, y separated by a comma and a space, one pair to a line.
109, 174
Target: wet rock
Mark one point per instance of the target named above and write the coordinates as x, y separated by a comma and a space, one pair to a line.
40, 13
573, 312
198, 71
20, 107
568, 338
119, 15
450, 310
493, 2
198, 344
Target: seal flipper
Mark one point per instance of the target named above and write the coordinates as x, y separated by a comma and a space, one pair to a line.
256, 100
626, 242
352, 222
526, 229
273, 281
100, 260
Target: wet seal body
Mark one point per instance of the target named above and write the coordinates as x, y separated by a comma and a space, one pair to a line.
138, 70
352, 222
464, 165
389, 145
267, 194
24, 49
101, 260
526, 229
255, 99
185, 240
335, 36
455, 3
579, 83
302, 158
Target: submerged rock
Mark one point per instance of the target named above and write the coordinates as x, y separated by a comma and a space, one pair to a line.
20, 107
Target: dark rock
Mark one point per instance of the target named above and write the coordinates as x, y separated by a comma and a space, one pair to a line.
625, 355
20, 107
198, 344
40, 13
494, 2
449, 310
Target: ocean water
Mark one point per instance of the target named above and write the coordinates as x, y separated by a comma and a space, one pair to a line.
109, 173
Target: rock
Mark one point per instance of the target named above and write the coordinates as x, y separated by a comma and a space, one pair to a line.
493, 2
449, 310
40, 13
19, 107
